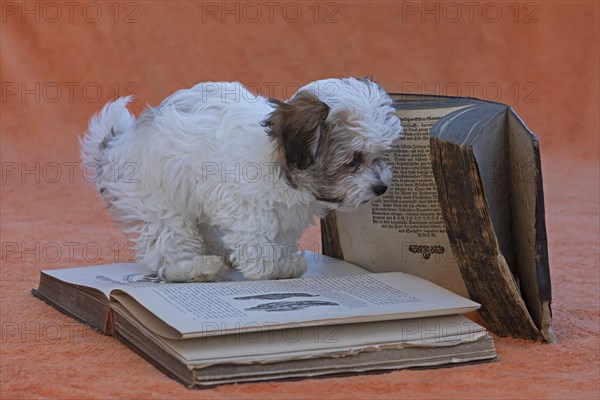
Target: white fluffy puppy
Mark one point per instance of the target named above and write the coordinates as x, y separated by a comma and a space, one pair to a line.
216, 176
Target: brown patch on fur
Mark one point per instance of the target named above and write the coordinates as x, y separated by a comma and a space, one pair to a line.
296, 127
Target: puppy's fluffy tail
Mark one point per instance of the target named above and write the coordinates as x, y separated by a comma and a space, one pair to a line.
113, 120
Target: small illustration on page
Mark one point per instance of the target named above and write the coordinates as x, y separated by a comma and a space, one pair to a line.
275, 296
426, 251
290, 305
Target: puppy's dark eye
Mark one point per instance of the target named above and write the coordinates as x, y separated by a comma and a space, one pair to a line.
356, 160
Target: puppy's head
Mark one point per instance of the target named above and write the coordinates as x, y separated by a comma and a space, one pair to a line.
330, 137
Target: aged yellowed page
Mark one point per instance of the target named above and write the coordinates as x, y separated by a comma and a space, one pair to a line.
404, 230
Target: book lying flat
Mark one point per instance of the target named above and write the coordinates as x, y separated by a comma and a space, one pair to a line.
337, 319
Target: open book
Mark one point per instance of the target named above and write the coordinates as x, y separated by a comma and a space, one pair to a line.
465, 210
336, 319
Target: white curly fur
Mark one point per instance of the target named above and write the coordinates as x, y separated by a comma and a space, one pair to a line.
197, 185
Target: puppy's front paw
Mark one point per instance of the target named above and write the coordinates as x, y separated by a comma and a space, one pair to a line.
202, 268
292, 266
258, 269
284, 267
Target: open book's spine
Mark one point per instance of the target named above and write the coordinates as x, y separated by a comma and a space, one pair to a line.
541, 239
466, 215
527, 194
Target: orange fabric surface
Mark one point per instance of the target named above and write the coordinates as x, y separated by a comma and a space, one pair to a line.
61, 61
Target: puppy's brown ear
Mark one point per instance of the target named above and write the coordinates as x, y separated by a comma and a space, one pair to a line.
297, 128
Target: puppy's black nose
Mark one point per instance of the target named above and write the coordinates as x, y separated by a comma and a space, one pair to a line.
379, 189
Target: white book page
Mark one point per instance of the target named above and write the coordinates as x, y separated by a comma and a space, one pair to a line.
206, 309
105, 277
114, 276
318, 340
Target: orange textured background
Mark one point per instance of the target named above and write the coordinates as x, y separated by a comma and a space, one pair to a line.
60, 62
